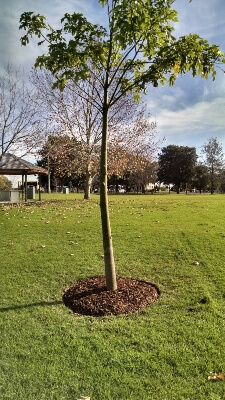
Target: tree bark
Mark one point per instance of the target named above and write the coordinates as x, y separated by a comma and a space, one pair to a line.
178, 188
110, 272
88, 181
212, 180
49, 178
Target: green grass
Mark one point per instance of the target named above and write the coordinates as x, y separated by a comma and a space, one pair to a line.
164, 352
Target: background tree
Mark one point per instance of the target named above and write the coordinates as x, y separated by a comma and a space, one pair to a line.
201, 178
69, 113
176, 165
132, 143
62, 156
19, 123
144, 174
135, 49
222, 181
5, 183
214, 160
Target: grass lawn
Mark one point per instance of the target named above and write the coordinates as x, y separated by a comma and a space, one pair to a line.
164, 352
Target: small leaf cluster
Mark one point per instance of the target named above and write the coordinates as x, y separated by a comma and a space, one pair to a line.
69, 56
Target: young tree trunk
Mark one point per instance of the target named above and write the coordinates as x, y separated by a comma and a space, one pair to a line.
88, 181
212, 180
117, 186
110, 272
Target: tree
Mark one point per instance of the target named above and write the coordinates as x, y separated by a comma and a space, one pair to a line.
144, 173
176, 165
19, 123
201, 177
132, 142
135, 49
67, 112
5, 183
61, 156
214, 160
222, 181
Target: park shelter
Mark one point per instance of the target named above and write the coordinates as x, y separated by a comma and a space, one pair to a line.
12, 165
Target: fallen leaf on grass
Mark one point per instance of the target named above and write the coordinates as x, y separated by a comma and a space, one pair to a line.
195, 263
84, 398
216, 377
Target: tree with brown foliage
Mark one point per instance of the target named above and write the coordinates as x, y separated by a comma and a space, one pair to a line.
69, 114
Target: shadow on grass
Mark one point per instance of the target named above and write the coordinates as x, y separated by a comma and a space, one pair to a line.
22, 306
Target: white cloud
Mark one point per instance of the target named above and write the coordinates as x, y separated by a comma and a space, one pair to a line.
205, 18
193, 125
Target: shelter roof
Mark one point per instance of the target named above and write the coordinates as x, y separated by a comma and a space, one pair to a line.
12, 165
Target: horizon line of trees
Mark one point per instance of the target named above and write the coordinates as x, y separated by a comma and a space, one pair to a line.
177, 167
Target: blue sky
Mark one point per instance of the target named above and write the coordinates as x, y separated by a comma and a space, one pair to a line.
187, 114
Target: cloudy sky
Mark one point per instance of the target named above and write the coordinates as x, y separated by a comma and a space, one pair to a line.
187, 114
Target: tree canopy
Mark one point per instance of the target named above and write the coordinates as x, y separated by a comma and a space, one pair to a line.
137, 43
5, 183
200, 179
176, 165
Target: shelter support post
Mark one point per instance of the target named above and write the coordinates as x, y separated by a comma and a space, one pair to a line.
39, 188
25, 187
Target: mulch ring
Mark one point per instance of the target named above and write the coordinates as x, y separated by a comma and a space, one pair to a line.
90, 296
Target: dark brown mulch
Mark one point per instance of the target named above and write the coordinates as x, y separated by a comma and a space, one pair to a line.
90, 296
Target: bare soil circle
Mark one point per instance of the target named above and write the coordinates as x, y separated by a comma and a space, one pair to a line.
91, 297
